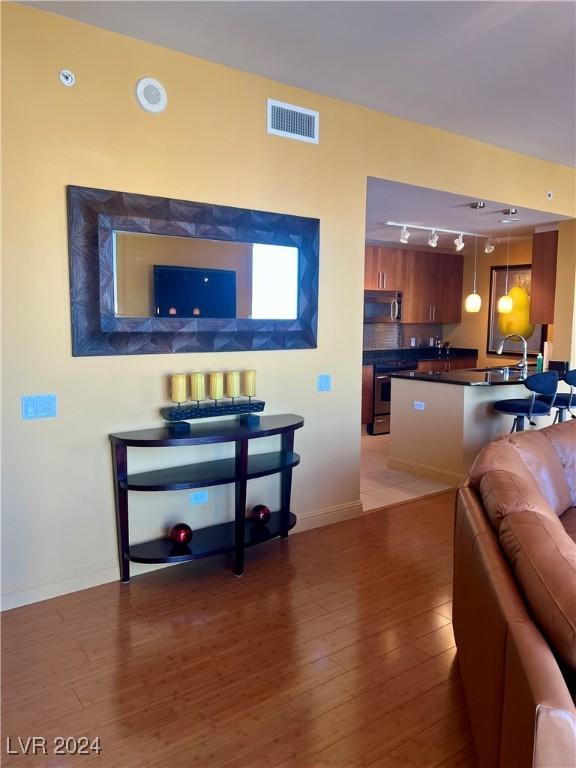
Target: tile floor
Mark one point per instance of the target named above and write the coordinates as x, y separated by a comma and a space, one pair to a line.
380, 486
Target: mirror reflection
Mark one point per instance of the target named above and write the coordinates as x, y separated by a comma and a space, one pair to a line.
165, 276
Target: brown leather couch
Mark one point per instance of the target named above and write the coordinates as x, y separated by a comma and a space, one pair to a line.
515, 598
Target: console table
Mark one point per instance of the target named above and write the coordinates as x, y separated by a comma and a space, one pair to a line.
216, 539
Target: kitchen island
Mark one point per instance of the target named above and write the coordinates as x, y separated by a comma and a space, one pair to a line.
440, 420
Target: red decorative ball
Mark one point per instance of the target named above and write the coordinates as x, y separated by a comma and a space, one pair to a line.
181, 533
260, 514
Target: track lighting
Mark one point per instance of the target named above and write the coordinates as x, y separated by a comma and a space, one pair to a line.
489, 247
510, 216
459, 242
433, 239
404, 235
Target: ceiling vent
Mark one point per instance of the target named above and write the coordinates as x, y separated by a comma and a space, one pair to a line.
293, 122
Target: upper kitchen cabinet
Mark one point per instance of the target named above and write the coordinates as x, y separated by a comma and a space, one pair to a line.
544, 247
431, 283
384, 268
433, 287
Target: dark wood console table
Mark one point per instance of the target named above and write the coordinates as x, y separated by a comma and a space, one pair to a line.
216, 539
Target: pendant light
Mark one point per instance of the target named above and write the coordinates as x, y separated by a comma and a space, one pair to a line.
473, 301
505, 302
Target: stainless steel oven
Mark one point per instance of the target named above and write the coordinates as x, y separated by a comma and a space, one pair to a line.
380, 424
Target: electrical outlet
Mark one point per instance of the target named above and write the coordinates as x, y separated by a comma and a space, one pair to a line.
38, 406
431, 341
324, 382
419, 405
199, 497
413, 341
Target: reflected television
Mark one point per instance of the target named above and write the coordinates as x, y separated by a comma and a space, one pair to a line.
194, 292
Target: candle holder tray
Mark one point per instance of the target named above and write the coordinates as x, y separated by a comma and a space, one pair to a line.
207, 409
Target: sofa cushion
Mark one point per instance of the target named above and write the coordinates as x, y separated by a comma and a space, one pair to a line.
504, 493
563, 438
540, 457
568, 521
498, 454
543, 558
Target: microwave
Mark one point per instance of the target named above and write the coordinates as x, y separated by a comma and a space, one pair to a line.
382, 306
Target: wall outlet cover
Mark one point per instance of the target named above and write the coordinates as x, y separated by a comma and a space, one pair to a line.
199, 497
38, 406
413, 341
324, 382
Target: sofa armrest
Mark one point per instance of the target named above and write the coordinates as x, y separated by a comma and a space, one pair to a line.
538, 714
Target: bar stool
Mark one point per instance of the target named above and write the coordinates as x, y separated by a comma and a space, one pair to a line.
564, 401
528, 407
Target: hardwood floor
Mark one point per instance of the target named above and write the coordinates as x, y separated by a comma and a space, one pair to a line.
335, 649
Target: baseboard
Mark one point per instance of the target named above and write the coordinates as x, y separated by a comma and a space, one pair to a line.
329, 516
432, 473
85, 578
61, 584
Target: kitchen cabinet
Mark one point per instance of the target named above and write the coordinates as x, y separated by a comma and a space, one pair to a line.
446, 364
543, 291
431, 282
383, 268
367, 393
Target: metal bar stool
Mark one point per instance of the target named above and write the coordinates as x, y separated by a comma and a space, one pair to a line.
529, 407
564, 401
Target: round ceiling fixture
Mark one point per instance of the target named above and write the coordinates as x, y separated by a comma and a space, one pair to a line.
67, 77
151, 94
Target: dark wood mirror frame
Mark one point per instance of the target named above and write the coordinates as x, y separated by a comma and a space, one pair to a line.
94, 215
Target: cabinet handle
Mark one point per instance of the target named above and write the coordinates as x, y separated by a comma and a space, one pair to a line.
395, 308
384, 273
434, 313
379, 279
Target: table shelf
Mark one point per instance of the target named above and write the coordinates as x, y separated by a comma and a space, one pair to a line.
219, 472
214, 540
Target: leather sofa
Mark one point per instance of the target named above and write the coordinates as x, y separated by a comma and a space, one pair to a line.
515, 598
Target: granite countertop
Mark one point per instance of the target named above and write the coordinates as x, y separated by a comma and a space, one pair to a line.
416, 353
469, 377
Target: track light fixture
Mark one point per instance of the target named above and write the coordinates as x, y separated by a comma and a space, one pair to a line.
433, 239
459, 242
510, 216
489, 247
404, 235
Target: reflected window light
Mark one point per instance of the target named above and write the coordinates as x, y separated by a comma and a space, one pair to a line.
274, 282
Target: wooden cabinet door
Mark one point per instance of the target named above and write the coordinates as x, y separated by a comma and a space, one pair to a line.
367, 393
383, 269
446, 296
462, 362
416, 304
544, 247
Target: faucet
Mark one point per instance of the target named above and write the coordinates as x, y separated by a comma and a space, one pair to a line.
523, 364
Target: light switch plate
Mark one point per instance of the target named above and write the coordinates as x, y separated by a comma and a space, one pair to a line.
199, 497
419, 405
38, 406
324, 383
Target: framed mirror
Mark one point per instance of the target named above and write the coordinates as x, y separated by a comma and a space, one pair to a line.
156, 275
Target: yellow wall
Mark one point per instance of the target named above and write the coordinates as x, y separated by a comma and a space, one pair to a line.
210, 145
137, 254
472, 331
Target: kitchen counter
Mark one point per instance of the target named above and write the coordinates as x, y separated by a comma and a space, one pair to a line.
437, 429
469, 377
416, 353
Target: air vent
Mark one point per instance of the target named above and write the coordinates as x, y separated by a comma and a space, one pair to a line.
293, 122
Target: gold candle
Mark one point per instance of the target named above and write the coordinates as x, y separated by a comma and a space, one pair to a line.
197, 386
216, 385
249, 383
232, 384
178, 387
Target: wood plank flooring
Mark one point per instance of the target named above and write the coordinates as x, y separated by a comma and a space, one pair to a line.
334, 650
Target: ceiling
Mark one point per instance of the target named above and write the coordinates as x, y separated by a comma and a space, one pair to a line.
503, 72
406, 204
